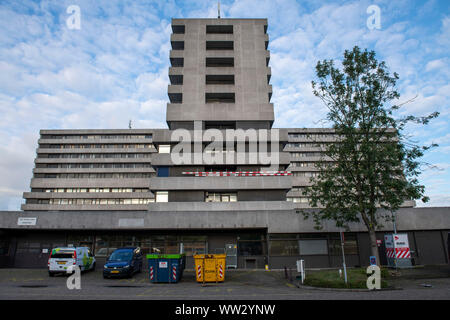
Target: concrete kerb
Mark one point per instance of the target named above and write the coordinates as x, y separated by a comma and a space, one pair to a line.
300, 286
433, 272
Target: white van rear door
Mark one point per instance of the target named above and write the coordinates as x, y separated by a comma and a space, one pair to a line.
61, 259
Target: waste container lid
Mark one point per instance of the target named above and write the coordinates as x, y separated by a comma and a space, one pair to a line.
165, 256
209, 256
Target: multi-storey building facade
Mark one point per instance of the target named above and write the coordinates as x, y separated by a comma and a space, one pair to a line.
109, 188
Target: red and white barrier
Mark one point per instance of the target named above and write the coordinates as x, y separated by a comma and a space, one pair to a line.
403, 253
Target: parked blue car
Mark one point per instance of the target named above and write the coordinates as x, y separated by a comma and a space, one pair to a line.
123, 262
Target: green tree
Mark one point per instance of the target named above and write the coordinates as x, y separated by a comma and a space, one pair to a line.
372, 163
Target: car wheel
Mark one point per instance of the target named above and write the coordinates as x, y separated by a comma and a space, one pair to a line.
93, 267
51, 274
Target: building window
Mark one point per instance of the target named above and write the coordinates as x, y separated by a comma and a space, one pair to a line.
178, 29
313, 247
164, 148
284, 247
225, 97
219, 79
220, 62
220, 197
163, 171
177, 45
350, 244
298, 199
250, 248
227, 29
219, 45
162, 196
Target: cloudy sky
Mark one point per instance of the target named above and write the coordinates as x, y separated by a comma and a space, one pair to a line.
115, 68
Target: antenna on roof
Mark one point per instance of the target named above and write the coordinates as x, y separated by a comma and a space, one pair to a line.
129, 125
218, 9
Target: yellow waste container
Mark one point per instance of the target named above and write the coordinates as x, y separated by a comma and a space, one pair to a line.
210, 267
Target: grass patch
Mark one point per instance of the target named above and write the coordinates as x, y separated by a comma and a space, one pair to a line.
356, 279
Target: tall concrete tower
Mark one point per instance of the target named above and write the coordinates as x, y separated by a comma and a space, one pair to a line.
219, 74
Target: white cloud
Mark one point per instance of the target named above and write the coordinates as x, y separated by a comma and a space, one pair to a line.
435, 64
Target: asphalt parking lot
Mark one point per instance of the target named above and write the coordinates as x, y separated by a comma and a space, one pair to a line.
35, 284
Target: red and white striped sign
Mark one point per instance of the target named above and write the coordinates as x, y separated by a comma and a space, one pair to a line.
174, 273
237, 173
390, 252
398, 253
199, 272
220, 271
151, 273
402, 253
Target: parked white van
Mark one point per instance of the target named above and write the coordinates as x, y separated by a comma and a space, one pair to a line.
61, 259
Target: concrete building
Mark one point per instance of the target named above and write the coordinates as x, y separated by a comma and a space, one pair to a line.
112, 188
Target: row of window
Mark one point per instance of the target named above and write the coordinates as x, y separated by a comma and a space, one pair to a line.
310, 135
312, 247
95, 155
305, 174
104, 245
209, 45
94, 201
217, 29
63, 190
209, 79
306, 145
214, 97
98, 136
160, 196
298, 199
306, 154
116, 175
220, 197
100, 146
303, 164
210, 197
214, 29
165, 148
94, 165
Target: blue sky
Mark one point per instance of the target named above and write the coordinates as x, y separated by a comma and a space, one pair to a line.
115, 68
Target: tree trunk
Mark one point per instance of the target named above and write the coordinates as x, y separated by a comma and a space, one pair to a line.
373, 245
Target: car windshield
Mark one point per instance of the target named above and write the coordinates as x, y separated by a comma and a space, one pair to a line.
121, 256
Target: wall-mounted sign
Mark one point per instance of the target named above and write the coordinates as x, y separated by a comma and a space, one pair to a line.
26, 221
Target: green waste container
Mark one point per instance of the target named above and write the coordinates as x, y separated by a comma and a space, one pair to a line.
166, 267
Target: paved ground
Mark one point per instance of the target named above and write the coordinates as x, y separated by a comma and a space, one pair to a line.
239, 284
